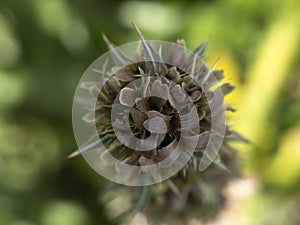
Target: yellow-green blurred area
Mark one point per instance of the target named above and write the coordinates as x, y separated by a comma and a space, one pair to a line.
45, 47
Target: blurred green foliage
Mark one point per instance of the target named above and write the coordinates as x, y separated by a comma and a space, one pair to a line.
45, 47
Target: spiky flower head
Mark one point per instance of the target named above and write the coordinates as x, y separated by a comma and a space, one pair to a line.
160, 116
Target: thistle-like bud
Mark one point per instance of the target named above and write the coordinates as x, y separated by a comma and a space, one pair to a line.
160, 118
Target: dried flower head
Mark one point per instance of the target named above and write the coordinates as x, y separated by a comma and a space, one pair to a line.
161, 117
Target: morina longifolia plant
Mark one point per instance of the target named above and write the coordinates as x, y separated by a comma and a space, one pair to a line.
163, 114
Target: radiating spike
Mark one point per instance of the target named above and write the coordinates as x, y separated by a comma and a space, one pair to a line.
73, 154
200, 50
119, 58
209, 72
160, 53
149, 51
174, 188
143, 198
237, 137
162, 61
194, 65
91, 144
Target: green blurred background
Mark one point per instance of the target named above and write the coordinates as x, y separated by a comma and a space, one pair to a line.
45, 47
